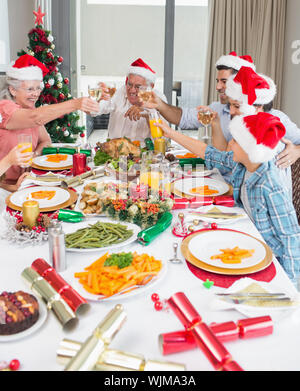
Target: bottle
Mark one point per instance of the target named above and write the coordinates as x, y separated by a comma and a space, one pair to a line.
57, 246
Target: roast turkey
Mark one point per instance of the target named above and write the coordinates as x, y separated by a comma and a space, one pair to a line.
120, 146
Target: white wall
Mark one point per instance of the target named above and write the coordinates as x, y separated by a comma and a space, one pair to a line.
4, 36
291, 77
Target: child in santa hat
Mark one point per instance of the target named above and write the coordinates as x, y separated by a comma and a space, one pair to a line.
256, 184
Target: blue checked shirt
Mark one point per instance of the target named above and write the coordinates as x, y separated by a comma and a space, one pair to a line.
272, 210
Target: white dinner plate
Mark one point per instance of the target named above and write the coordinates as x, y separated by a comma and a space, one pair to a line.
197, 173
71, 227
211, 242
224, 209
68, 275
42, 317
187, 184
61, 196
42, 162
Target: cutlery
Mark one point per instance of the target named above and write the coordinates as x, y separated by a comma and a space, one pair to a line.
217, 215
261, 299
44, 178
175, 259
252, 294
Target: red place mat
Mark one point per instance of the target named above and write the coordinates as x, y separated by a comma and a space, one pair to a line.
43, 172
225, 281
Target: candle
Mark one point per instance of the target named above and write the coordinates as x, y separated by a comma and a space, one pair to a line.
30, 211
79, 164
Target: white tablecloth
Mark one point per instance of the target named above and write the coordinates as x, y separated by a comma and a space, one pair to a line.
277, 352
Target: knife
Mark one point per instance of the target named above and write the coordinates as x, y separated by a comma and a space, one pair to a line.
251, 294
44, 178
251, 298
218, 215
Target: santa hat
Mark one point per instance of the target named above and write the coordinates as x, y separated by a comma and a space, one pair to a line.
258, 135
139, 67
250, 88
232, 60
27, 67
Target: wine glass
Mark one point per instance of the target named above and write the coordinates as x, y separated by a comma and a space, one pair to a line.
111, 87
205, 117
145, 93
95, 92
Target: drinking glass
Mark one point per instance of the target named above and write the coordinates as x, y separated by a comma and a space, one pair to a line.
145, 93
25, 143
155, 130
95, 92
111, 86
205, 118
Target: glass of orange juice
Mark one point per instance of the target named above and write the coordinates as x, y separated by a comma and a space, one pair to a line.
155, 131
25, 143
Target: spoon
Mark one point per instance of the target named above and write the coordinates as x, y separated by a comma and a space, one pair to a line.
175, 259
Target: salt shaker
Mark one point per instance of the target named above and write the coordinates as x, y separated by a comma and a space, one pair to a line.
57, 247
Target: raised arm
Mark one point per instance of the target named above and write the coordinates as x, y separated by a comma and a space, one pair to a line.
171, 113
27, 118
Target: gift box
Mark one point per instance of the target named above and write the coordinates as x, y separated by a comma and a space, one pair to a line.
70, 296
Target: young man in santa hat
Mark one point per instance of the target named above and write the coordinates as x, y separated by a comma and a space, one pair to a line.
256, 184
126, 118
186, 118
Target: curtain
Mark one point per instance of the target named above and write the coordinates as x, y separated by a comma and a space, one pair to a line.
254, 27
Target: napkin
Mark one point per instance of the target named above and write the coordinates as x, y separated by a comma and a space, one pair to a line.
275, 309
38, 181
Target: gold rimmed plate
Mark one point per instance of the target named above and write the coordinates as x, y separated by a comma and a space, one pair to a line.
42, 163
64, 198
263, 259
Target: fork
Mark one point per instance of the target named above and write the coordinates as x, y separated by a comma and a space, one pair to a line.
129, 288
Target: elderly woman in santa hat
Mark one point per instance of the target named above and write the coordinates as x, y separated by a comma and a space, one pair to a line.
126, 112
18, 114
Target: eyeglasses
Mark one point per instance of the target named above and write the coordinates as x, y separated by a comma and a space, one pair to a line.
135, 86
32, 90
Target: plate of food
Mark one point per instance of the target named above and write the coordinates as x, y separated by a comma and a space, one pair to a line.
114, 276
94, 234
47, 196
218, 214
21, 314
54, 161
227, 249
197, 187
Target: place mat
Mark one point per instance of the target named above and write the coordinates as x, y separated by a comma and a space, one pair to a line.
69, 202
62, 172
225, 281
42, 168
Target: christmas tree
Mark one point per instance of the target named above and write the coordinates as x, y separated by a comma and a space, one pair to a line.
56, 87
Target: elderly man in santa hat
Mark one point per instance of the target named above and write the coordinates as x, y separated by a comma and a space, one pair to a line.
126, 114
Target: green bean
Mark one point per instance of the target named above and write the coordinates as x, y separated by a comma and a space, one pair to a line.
98, 235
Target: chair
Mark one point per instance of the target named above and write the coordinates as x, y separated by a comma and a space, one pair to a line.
296, 187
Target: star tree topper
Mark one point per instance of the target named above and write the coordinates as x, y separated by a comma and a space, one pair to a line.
39, 16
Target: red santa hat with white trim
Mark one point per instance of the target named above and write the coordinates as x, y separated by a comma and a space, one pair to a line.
250, 88
258, 135
140, 68
27, 67
232, 60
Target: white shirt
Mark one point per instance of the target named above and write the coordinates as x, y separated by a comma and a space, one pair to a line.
120, 126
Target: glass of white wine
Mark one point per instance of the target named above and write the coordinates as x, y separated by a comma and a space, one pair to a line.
111, 87
205, 117
95, 92
145, 93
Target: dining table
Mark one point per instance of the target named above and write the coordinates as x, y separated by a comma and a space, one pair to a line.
37, 350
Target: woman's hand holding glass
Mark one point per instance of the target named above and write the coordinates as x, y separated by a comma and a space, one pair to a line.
18, 156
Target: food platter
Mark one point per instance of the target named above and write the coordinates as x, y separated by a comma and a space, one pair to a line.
68, 275
62, 198
71, 228
216, 244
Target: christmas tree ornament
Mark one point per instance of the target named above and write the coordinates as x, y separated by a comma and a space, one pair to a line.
39, 16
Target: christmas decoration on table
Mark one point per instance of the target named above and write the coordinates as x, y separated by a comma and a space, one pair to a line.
51, 297
146, 236
72, 298
15, 230
78, 179
196, 202
94, 352
180, 229
64, 150
13, 365
183, 340
111, 199
205, 339
56, 87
